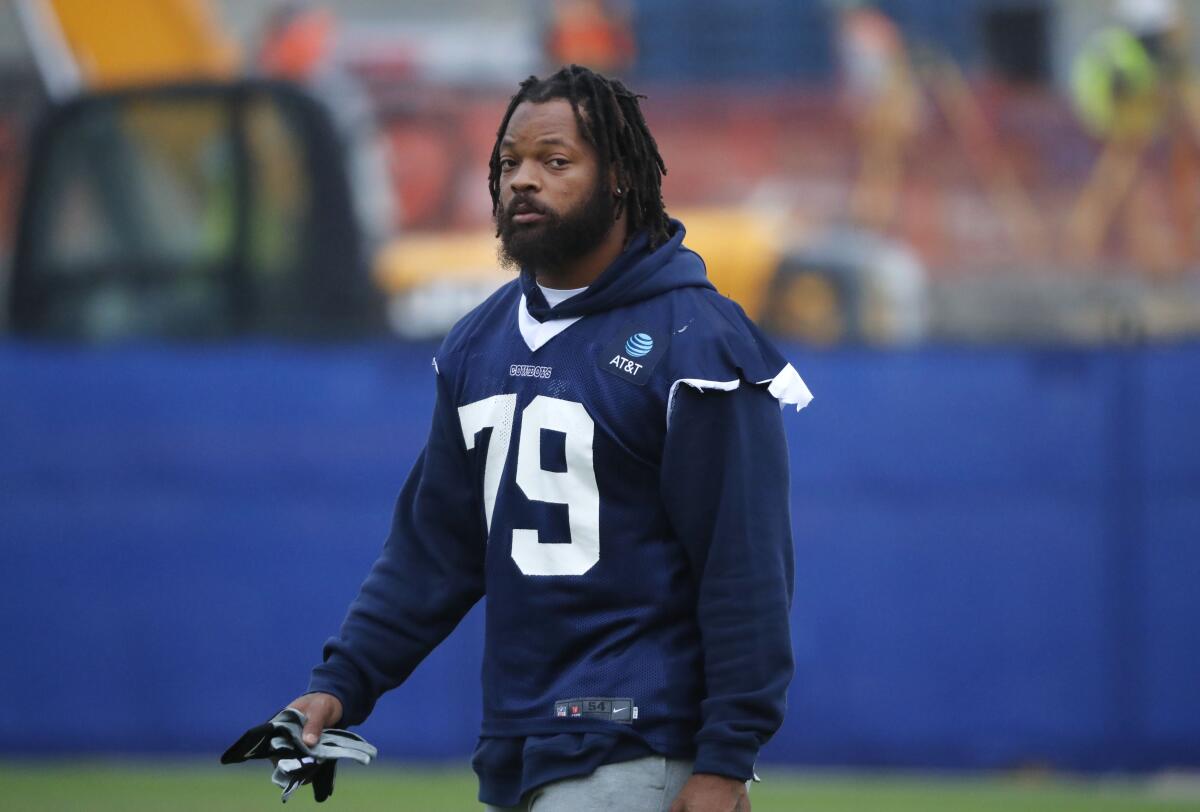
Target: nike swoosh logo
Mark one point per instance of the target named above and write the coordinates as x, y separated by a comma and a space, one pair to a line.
618, 710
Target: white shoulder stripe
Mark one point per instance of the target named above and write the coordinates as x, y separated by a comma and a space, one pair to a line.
789, 388
699, 384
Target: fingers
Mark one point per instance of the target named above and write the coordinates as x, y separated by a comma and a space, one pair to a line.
315, 713
316, 723
321, 710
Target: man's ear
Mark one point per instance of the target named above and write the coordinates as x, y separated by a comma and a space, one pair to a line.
618, 193
614, 181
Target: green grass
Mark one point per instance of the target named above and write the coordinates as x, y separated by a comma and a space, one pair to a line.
132, 786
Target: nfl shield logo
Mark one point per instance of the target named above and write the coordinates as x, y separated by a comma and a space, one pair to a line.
560, 710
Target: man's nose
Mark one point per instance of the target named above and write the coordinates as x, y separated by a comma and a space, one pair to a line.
524, 178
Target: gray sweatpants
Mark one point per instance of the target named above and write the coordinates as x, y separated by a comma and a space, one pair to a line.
644, 785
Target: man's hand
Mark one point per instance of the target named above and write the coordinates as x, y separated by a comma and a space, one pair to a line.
712, 793
322, 710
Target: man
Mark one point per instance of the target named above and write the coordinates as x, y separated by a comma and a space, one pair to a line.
882, 96
607, 464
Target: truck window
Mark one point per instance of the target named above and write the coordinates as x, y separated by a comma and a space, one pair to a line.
135, 222
167, 216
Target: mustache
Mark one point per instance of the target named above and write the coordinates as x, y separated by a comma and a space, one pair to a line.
523, 204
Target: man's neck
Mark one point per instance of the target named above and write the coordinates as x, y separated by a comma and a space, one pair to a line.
583, 271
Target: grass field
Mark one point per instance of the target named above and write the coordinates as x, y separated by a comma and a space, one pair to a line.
135, 786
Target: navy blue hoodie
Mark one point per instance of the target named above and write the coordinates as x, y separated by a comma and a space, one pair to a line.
612, 474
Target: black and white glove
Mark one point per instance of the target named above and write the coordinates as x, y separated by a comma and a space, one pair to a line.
296, 764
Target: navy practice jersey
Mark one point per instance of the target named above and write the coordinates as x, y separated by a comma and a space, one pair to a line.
612, 474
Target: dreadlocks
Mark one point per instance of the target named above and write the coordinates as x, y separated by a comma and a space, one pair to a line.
610, 119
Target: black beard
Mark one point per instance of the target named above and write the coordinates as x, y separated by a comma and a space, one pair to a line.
547, 246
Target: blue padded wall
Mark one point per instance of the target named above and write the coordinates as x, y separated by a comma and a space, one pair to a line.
997, 550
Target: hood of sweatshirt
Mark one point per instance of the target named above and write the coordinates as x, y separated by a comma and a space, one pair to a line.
637, 274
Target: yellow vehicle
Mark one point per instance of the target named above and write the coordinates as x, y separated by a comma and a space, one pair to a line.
164, 197
214, 209
223, 206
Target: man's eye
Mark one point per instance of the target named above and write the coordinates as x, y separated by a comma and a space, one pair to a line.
558, 163
506, 164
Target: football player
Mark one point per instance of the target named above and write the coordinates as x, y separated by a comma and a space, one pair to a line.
607, 464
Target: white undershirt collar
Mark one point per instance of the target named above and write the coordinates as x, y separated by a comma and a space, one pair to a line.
556, 296
537, 333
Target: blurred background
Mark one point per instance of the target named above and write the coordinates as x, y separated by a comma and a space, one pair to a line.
232, 232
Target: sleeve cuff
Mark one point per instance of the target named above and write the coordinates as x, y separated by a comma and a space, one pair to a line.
322, 681
723, 758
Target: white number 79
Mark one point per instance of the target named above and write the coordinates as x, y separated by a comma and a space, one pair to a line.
575, 487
